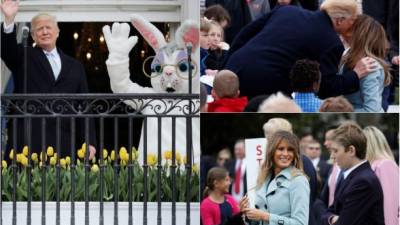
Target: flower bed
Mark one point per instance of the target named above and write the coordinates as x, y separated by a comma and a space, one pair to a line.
94, 177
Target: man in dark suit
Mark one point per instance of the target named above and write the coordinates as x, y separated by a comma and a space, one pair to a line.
237, 170
264, 51
46, 70
359, 196
313, 152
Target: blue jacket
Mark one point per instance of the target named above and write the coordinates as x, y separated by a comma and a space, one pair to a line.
369, 97
286, 198
264, 52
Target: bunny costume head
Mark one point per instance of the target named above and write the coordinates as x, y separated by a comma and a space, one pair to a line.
170, 66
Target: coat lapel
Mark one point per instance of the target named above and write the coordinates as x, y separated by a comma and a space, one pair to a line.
65, 65
42, 60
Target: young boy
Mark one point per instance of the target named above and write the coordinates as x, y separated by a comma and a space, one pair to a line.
305, 78
226, 93
358, 196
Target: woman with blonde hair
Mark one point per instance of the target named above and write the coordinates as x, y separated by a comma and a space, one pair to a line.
368, 39
382, 162
282, 191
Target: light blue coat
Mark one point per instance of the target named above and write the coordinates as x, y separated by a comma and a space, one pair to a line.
287, 199
369, 97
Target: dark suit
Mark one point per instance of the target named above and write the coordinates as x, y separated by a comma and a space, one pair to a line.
359, 200
312, 175
323, 171
264, 52
40, 79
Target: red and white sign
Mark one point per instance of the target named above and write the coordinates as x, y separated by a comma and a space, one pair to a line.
255, 156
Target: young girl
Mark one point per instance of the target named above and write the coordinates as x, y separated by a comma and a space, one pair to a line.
218, 48
217, 206
368, 39
204, 43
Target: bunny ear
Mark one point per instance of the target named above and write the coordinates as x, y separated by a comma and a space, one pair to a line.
149, 32
188, 32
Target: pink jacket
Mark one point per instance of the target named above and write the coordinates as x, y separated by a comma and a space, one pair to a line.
210, 213
388, 174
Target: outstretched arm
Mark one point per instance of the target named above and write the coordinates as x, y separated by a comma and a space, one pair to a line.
119, 45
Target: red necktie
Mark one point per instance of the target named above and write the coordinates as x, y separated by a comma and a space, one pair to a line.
238, 175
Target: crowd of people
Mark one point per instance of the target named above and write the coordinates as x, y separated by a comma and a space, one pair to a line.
344, 58
358, 183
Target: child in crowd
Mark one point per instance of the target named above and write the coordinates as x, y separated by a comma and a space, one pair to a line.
218, 49
226, 93
279, 103
306, 78
368, 39
204, 43
218, 207
336, 104
218, 14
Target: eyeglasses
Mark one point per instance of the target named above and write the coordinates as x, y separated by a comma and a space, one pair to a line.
152, 70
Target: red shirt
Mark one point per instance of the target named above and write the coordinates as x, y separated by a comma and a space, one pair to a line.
228, 105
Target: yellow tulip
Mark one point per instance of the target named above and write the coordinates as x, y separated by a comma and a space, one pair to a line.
123, 163
124, 157
168, 155
24, 160
135, 153
11, 155
40, 164
25, 150
68, 160
55, 155
105, 153
81, 154
4, 164
195, 168
50, 151
63, 163
177, 156
53, 161
95, 168
184, 160
151, 159
112, 156
45, 156
34, 157
19, 157
84, 147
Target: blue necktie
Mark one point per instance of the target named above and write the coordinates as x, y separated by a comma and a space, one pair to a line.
53, 64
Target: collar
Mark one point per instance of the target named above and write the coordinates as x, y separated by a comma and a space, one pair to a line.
348, 171
53, 52
280, 180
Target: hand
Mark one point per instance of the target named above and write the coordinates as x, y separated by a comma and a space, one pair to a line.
211, 72
365, 66
118, 41
244, 203
395, 60
256, 214
9, 9
92, 152
334, 219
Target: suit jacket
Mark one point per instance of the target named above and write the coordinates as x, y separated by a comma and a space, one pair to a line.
286, 198
359, 200
264, 52
323, 171
40, 79
231, 168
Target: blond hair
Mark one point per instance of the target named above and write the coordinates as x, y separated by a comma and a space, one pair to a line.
279, 103
340, 8
349, 133
377, 145
41, 16
268, 166
275, 124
